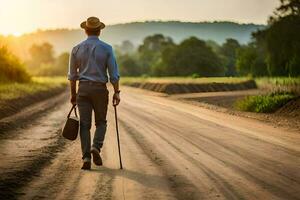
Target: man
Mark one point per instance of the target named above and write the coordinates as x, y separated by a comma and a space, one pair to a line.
89, 62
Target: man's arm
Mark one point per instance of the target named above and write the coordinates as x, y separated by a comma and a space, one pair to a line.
73, 76
73, 91
114, 77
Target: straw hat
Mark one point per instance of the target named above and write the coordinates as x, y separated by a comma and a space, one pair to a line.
92, 23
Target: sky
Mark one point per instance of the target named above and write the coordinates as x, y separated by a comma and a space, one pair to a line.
22, 16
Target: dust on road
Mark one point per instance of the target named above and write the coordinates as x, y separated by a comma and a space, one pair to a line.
170, 150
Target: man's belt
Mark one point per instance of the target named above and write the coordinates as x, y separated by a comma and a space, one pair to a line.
92, 83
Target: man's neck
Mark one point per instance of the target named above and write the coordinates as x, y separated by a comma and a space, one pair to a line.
93, 37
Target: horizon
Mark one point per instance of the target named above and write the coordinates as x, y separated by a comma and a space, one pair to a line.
116, 12
124, 23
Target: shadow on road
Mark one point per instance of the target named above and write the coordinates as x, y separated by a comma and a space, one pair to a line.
148, 180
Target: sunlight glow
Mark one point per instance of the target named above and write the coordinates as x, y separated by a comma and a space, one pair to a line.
17, 34
21, 16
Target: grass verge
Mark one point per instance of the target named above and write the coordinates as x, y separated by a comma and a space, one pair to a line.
264, 103
279, 81
284, 84
10, 91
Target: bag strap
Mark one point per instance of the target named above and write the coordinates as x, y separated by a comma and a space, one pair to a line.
73, 108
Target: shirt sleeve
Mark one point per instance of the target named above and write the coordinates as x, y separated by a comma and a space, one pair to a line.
112, 67
73, 72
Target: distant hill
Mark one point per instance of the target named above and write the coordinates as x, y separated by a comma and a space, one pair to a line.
217, 31
64, 39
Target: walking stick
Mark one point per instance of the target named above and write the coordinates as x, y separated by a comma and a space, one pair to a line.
117, 128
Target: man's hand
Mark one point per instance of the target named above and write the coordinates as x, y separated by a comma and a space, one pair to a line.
116, 99
73, 99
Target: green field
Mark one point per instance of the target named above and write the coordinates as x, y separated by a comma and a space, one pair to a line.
9, 91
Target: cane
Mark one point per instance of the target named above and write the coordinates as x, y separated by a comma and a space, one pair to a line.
117, 128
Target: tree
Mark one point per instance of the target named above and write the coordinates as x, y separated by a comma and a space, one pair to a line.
250, 61
287, 8
228, 51
125, 48
61, 64
11, 68
191, 56
214, 46
128, 66
280, 40
283, 46
42, 53
58, 68
151, 49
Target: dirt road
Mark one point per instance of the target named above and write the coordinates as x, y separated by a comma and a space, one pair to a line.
171, 150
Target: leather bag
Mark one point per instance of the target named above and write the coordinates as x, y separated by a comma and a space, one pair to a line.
71, 127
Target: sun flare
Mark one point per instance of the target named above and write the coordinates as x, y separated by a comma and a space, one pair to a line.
17, 34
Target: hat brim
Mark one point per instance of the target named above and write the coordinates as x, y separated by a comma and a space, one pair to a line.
84, 26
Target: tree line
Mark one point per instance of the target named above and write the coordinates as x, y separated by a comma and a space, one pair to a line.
42, 62
274, 51
160, 56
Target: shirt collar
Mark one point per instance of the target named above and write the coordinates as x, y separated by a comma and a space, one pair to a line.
93, 37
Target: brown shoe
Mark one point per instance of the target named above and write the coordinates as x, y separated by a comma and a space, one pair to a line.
96, 156
86, 165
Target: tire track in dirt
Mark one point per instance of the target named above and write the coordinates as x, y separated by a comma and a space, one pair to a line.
13, 106
141, 178
11, 181
63, 179
149, 101
257, 180
244, 141
227, 163
25, 151
181, 187
30, 113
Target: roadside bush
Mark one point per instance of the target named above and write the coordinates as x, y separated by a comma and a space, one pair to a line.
264, 103
57, 68
11, 68
195, 75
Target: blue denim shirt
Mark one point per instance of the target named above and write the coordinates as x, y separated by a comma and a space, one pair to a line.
91, 59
